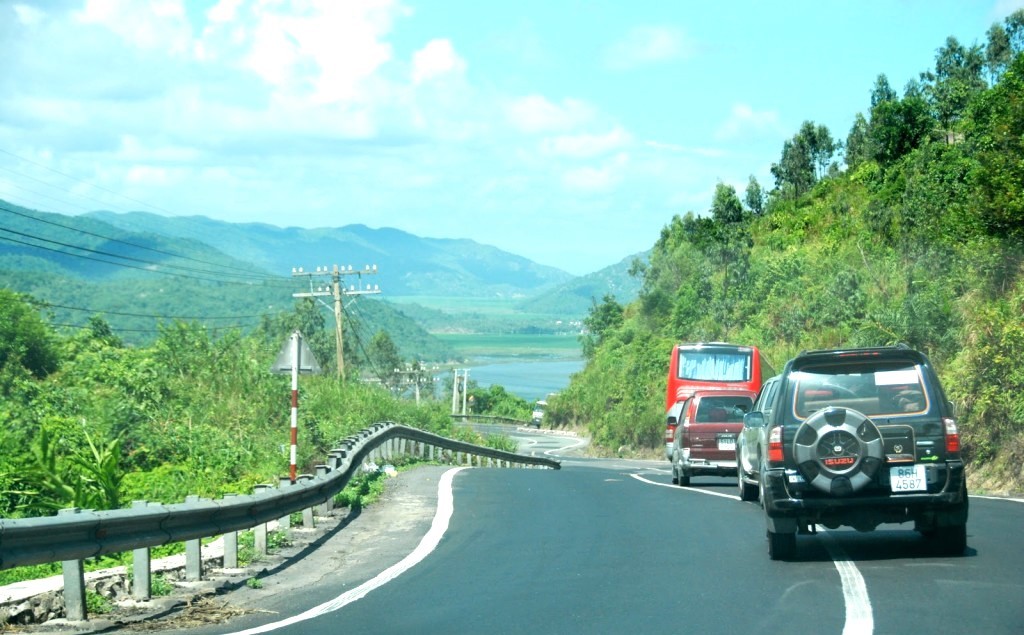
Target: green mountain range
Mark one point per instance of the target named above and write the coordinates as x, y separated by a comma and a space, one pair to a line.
138, 270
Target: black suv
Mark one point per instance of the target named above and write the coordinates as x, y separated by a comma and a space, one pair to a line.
860, 437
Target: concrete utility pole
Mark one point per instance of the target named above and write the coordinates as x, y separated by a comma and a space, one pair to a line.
337, 290
416, 375
455, 389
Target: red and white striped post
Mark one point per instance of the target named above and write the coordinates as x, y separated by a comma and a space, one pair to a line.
295, 404
295, 357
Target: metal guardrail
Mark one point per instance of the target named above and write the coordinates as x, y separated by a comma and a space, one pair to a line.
75, 534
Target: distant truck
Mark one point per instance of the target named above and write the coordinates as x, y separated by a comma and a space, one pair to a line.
538, 413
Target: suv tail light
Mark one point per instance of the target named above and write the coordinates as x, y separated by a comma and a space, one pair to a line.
775, 445
952, 437
670, 433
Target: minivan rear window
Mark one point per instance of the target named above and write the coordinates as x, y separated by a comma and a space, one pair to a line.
723, 409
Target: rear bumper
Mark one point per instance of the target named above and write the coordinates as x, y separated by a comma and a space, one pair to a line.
716, 467
867, 509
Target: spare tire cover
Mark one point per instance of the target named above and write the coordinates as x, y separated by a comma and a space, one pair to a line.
838, 450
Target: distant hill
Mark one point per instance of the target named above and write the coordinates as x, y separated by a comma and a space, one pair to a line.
129, 267
137, 281
576, 297
408, 265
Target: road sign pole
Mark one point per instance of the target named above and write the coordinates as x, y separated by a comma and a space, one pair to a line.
296, 352
293, 355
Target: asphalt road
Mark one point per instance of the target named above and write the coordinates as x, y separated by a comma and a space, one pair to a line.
606, 546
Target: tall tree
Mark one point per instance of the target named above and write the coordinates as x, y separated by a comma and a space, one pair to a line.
858, 142
805, 159
26, 342
1015, 31
602, 319
384, 359
998, 53
897, 127
882, 91
754, 197
957, 78
726, 206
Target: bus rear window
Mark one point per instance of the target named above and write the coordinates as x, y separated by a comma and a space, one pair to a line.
709, 365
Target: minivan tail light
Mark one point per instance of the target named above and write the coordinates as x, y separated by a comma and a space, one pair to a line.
670, 432
952, 437
775, 445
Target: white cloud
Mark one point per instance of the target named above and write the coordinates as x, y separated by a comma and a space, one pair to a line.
587, 145
711, 153
537, 114
160, 25
224, 11
436, 59
27, 15
333, 47
591, 179
744, 120
644, 45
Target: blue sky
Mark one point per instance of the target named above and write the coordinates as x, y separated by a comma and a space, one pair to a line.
566, 131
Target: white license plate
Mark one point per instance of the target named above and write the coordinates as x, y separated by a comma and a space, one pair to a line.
908, 478
726, 443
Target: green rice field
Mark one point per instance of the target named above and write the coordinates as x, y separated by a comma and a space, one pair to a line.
514, 346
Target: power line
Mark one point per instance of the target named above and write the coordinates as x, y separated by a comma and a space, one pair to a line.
78, 180
143, 315
113, 255
248, 272
116, 264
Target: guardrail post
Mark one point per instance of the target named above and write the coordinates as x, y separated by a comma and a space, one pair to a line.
230, 560
74, 581
325, 507
142, 583
307, 514
193, 552
285, 522
259, 532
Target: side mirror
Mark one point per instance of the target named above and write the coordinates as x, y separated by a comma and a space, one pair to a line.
672, 420
754, 420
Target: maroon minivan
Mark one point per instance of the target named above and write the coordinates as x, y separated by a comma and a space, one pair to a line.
705, 438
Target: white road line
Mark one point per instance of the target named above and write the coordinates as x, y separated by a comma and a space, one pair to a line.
566, 447
998, 498
685, 489
445, 507
859, 619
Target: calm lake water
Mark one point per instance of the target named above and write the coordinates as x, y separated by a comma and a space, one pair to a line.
530, 380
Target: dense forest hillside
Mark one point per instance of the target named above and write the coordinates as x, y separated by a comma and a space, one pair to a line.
909, 229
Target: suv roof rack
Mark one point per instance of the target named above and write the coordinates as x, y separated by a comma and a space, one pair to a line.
820, 351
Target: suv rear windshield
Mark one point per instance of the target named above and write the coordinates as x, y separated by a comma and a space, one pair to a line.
722, 409
891, 389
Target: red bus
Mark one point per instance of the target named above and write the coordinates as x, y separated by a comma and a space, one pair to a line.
711, 365
714, 365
